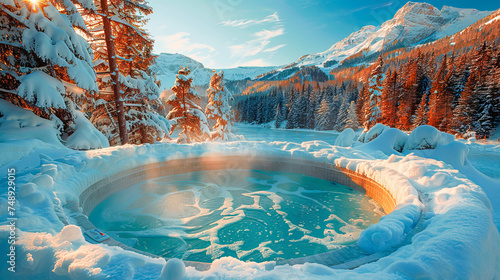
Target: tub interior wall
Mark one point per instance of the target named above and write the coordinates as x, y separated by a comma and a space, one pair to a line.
101, 190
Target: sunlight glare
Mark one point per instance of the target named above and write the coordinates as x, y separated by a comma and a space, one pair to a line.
33, 3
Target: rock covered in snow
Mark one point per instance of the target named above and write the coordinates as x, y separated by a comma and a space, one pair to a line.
427, 137
174, 269
86, 136
346, 138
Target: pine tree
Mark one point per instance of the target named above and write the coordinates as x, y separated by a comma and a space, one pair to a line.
494, 87
323, 116
342, 115
439, 99
186, 113
459, 74
483, 118
280, 111
46, 65
352, 119
374, 112
421, 113
291, 114
131, 52
389, 98
311, 110
362, 105
413, 89
218, 108
464, 111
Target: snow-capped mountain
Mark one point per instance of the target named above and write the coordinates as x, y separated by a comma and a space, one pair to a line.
167, 65
413, 24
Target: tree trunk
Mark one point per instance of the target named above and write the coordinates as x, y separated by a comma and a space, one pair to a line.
113, 69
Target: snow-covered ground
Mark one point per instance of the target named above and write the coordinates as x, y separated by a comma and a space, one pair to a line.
438, 187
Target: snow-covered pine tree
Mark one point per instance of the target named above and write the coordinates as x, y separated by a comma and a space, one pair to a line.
292, 116
280, 110
374, 112
458, 78
483, 116
47, 66
464, 111
186, 114
342, 114
421, 113
362, 105
494, 87
323, 116
352, 118
144, 112
312, 108
218, 109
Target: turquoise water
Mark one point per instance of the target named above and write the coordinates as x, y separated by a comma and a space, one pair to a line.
247, 214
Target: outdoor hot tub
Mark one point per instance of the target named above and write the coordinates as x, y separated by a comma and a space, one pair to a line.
254, 208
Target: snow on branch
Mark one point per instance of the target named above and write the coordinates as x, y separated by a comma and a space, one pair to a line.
42, 89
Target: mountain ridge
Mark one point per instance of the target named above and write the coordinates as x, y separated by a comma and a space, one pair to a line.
415, 23
167, 65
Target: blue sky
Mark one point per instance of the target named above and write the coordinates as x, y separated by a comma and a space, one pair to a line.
230, 33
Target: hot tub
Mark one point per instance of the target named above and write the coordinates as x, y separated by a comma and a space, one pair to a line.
252, 208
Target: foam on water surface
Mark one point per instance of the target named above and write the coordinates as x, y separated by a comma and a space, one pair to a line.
248, 214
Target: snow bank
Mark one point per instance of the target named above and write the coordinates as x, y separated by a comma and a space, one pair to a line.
373, 133
20, 124
390, 231
456, 239
427, 137
17, 124
346, 138
86, 136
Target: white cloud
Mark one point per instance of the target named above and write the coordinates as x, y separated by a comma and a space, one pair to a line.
273, 49
255, 62
243, 23
257, 45
181, 43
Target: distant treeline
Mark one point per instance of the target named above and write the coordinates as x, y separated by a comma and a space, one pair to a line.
452, 84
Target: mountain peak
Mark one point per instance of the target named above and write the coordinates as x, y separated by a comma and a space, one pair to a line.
412, 9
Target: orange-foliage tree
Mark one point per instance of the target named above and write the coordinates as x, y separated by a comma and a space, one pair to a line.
390, 95
186, 114
465, 95
439, 100
144, 113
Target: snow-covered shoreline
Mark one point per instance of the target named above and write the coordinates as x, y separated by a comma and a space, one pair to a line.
459, 240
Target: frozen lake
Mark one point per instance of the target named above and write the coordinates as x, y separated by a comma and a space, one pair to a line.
486, 161
258, 133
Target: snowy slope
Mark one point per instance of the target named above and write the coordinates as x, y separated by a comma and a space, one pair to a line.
413, 24
167, 65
